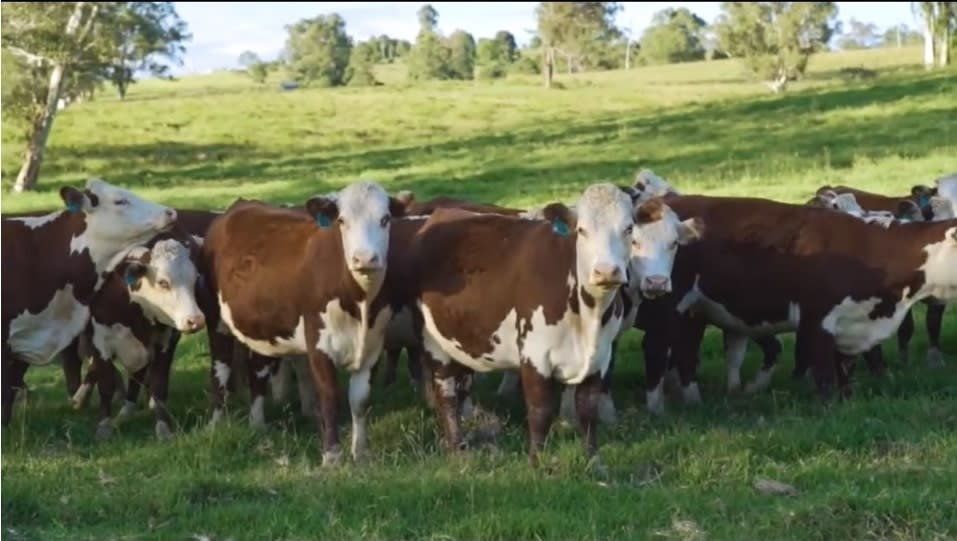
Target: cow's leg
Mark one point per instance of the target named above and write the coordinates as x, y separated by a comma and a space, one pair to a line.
221, 345
279, 380
90, 380
586, 402
690, 332
654, 346
606, 406
359, 387
820, 351
445, 387
14, 370
771, 348
875, 360
539, 406
905, 331
391, 364
801, 355
324, 377
509, 384
735, 349
844, 367
259, 369
72, 367
935, 317
133, 391
413, 359
159, 371
307, 390
106, 384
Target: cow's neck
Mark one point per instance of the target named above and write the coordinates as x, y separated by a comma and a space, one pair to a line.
597, 325
104, 254
922, 262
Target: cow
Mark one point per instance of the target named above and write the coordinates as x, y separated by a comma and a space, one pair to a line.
920, 195
494, 292
136, 317
767, 267
55, 263
284, 282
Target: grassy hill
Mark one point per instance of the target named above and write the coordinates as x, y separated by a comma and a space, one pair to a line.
879, 467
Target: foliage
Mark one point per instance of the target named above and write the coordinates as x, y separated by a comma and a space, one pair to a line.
576, 29
775, 39
675, 35
361, 64
142, 37
430, 56
319, 50
500, 49
258, 71
428, 18
248, 58
901, 35
859, 35
507, 46
389, 49
940, 23
461, 63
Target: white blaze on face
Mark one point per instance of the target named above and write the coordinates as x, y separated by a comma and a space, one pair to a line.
943, 208
654, 242
648, 185
947, 188
115, 216
165, 284
604, 226
940, 268
363, 216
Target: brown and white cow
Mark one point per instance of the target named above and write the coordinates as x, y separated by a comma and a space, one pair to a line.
497, 292
287, 283
53, 265
842, 284
136, 317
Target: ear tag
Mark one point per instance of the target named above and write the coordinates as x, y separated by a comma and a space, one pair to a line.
560, 227
923, 200
73, 206
323, 220
129, 278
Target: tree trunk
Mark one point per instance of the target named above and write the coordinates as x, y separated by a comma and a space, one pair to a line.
30, 171
549, 66
929, 40
628, 55
943, 48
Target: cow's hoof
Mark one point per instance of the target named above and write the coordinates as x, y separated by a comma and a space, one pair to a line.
935, 359
125, 412
691, 393
331, 458
163, 433
104, 430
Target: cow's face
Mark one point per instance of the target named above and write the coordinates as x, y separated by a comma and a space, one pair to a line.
909, 211
654, 242
947, 187
163, 281
115, 215
648, 185
942, 208
603, 223
362, 212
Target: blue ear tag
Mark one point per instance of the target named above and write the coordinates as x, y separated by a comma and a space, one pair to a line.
923, 200
73, 206
323, 220
129, 278
560, 227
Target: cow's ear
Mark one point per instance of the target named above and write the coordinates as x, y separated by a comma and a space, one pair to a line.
75, 200
562, 218
399, 205
133, 272
908, 210
633, 193
690, 230
922, 194
323, 209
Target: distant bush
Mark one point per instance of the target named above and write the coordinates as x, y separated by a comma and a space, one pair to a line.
496, 70
525, 66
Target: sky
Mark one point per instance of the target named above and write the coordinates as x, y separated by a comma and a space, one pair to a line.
221, 32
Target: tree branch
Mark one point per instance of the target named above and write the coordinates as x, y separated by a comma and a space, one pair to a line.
89, 23
33, 59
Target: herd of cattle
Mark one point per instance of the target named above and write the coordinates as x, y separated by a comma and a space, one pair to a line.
467, 288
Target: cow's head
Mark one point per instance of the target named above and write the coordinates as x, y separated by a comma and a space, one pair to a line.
162, 279
115, 215
654, 242
942, 208
648, 185
947, 187
602, 222
909, 211
362, 212
845, 202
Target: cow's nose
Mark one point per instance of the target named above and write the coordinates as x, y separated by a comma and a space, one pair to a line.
195, 323
365, 260
607, 274
656, 284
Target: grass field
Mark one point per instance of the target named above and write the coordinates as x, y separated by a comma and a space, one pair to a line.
882, 466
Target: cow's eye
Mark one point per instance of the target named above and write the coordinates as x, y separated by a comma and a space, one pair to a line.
342, 222
580, 231
164, 284
629, 229
385, 220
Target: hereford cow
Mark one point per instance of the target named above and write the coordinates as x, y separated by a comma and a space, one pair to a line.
497, 292
767, 267
287, 283
135, 318
53, 265
919, 195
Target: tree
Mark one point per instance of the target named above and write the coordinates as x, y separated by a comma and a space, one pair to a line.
508, 46
429, 57
901, 35
461, 55
675, 35
428, 18
775, 39
940, 23
142, 37
248, 58
49, 40
859, 35
319, 50
361, 63
570, 28
258, 71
